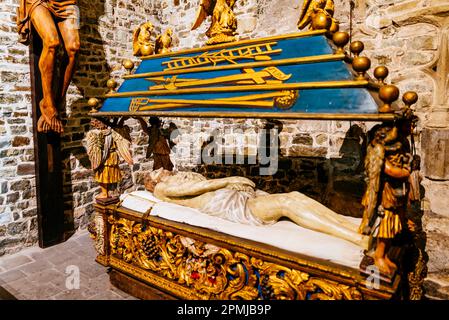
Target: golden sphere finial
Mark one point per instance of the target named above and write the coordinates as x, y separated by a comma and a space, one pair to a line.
128, 65
93, 103
112, 85
381, 73
388, 94
361, 65
410, 98
357, 47
341, 39
321, 21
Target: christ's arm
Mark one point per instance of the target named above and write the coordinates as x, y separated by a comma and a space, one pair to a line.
196, 188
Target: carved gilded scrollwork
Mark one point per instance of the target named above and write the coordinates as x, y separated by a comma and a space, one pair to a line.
417, 262
213, 272
283, 283
287, 101
121, 239
417, 276
97, 230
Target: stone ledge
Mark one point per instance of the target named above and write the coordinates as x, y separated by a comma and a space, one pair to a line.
437, 286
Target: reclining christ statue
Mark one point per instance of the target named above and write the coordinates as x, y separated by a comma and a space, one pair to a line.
236, 199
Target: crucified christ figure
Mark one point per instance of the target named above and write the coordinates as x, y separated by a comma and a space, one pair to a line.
53, 20
235, 199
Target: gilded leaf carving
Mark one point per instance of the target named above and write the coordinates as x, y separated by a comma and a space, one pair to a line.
214, 272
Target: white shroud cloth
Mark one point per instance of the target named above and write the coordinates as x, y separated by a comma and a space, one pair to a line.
232, 205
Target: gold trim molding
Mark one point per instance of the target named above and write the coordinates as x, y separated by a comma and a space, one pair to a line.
259, 115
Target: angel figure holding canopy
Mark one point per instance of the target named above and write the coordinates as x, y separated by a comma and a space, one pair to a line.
389, 166
224, 23
105, 146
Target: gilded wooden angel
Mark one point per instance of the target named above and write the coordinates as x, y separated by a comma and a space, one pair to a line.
387, 164
312, 7
142, 45
164, 42
224, 24
105, 146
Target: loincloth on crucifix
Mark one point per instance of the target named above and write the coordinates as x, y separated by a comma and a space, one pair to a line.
61, 9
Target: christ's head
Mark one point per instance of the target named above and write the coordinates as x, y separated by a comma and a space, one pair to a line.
154, 177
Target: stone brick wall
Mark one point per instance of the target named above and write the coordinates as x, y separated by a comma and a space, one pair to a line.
17, 193
321, 159
106, 39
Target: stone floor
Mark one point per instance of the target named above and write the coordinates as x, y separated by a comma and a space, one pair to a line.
47, 274
41, 274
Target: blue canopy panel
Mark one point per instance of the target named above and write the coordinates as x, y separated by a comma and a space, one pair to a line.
245, 77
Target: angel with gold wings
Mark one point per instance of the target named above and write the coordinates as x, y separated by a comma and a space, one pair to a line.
105, 146
224, 24
163, 42
142, 45
387, 164
312, 7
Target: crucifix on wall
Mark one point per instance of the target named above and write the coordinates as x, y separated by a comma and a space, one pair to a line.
45, 25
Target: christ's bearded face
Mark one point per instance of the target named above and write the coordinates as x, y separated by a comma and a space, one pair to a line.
154, 177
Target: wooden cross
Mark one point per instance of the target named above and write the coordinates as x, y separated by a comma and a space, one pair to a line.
48, 162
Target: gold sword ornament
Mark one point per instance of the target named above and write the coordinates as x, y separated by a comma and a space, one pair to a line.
281, 99
248, 76
162, 80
